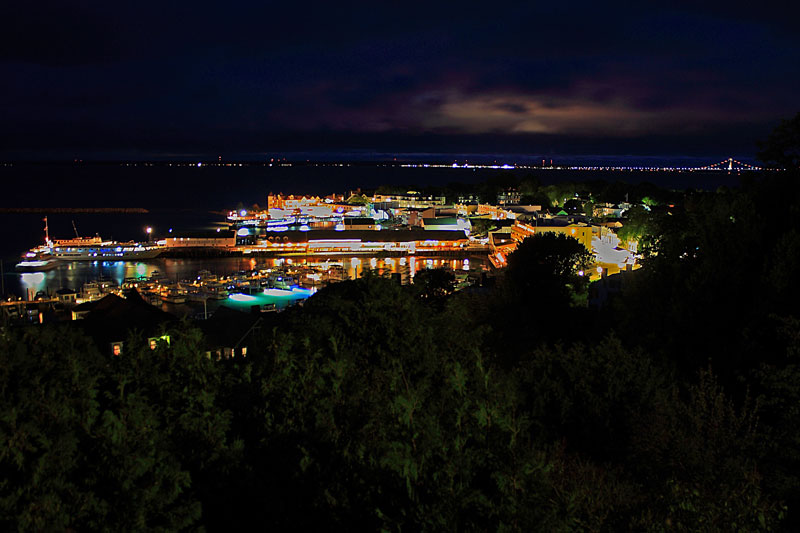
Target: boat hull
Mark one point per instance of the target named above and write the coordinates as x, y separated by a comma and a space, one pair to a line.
105, 255
36, 266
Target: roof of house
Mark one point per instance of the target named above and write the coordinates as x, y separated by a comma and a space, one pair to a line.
64, 292
441, 221
402, 235
222, 234
228, 327
111, 318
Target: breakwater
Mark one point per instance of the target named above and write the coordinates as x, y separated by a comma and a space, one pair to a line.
67, 210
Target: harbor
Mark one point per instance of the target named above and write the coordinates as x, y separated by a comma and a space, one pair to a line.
197, 287
266, 259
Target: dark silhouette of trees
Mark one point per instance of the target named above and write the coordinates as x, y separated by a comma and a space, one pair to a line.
549, 267
380, 406
782, 147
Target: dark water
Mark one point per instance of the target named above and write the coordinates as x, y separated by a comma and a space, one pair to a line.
212, 187
191, 198
20, 232
73, 275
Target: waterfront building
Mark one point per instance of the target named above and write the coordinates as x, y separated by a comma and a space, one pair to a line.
359, 223
410, 199
278, 201
509, 197
466, 208
67, 296
494, 212
202, 239
320, 242
501, 244
447, 224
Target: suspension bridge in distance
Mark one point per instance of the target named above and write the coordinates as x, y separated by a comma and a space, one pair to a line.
726, 165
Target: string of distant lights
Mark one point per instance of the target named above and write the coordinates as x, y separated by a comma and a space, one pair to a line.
729, 164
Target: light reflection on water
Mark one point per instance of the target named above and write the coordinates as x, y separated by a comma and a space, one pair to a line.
73, 275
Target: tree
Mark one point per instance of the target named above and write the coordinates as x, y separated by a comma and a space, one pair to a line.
92, 443
548, 268
434, 284
700, 453
482, 226
638, 227
782, 147
388, 415
573, 206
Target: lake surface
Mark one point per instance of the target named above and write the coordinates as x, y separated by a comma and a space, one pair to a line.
190, 198
73, 275
214, 187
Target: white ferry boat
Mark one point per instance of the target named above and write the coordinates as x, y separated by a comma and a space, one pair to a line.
45, 256
96, 249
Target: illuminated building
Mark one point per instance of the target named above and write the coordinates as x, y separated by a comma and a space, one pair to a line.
446, 224
203, 239
363, 242
410, 199
577, 230
494, 212
509, 197
359, 223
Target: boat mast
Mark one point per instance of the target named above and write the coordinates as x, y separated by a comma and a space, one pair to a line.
76, 230
46, 232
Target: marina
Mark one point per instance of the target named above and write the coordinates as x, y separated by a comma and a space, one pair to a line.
196, 287
46, 256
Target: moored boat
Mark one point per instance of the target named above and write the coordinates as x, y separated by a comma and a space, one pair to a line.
173, 295
37, 260
105, 251
86, 249
41, 257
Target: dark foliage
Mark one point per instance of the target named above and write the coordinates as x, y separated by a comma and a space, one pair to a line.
385, 407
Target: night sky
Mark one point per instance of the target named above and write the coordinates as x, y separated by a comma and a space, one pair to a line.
247, 79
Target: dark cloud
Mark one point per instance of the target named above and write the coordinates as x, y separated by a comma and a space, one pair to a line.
247, 76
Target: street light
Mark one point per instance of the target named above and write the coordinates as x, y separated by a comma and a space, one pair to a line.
149, 231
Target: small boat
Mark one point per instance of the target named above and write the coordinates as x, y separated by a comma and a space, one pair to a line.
206, 275
36, 264
40, 258
173, 296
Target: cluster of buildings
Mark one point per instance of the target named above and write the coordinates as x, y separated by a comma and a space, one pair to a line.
379, 225
404, 224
